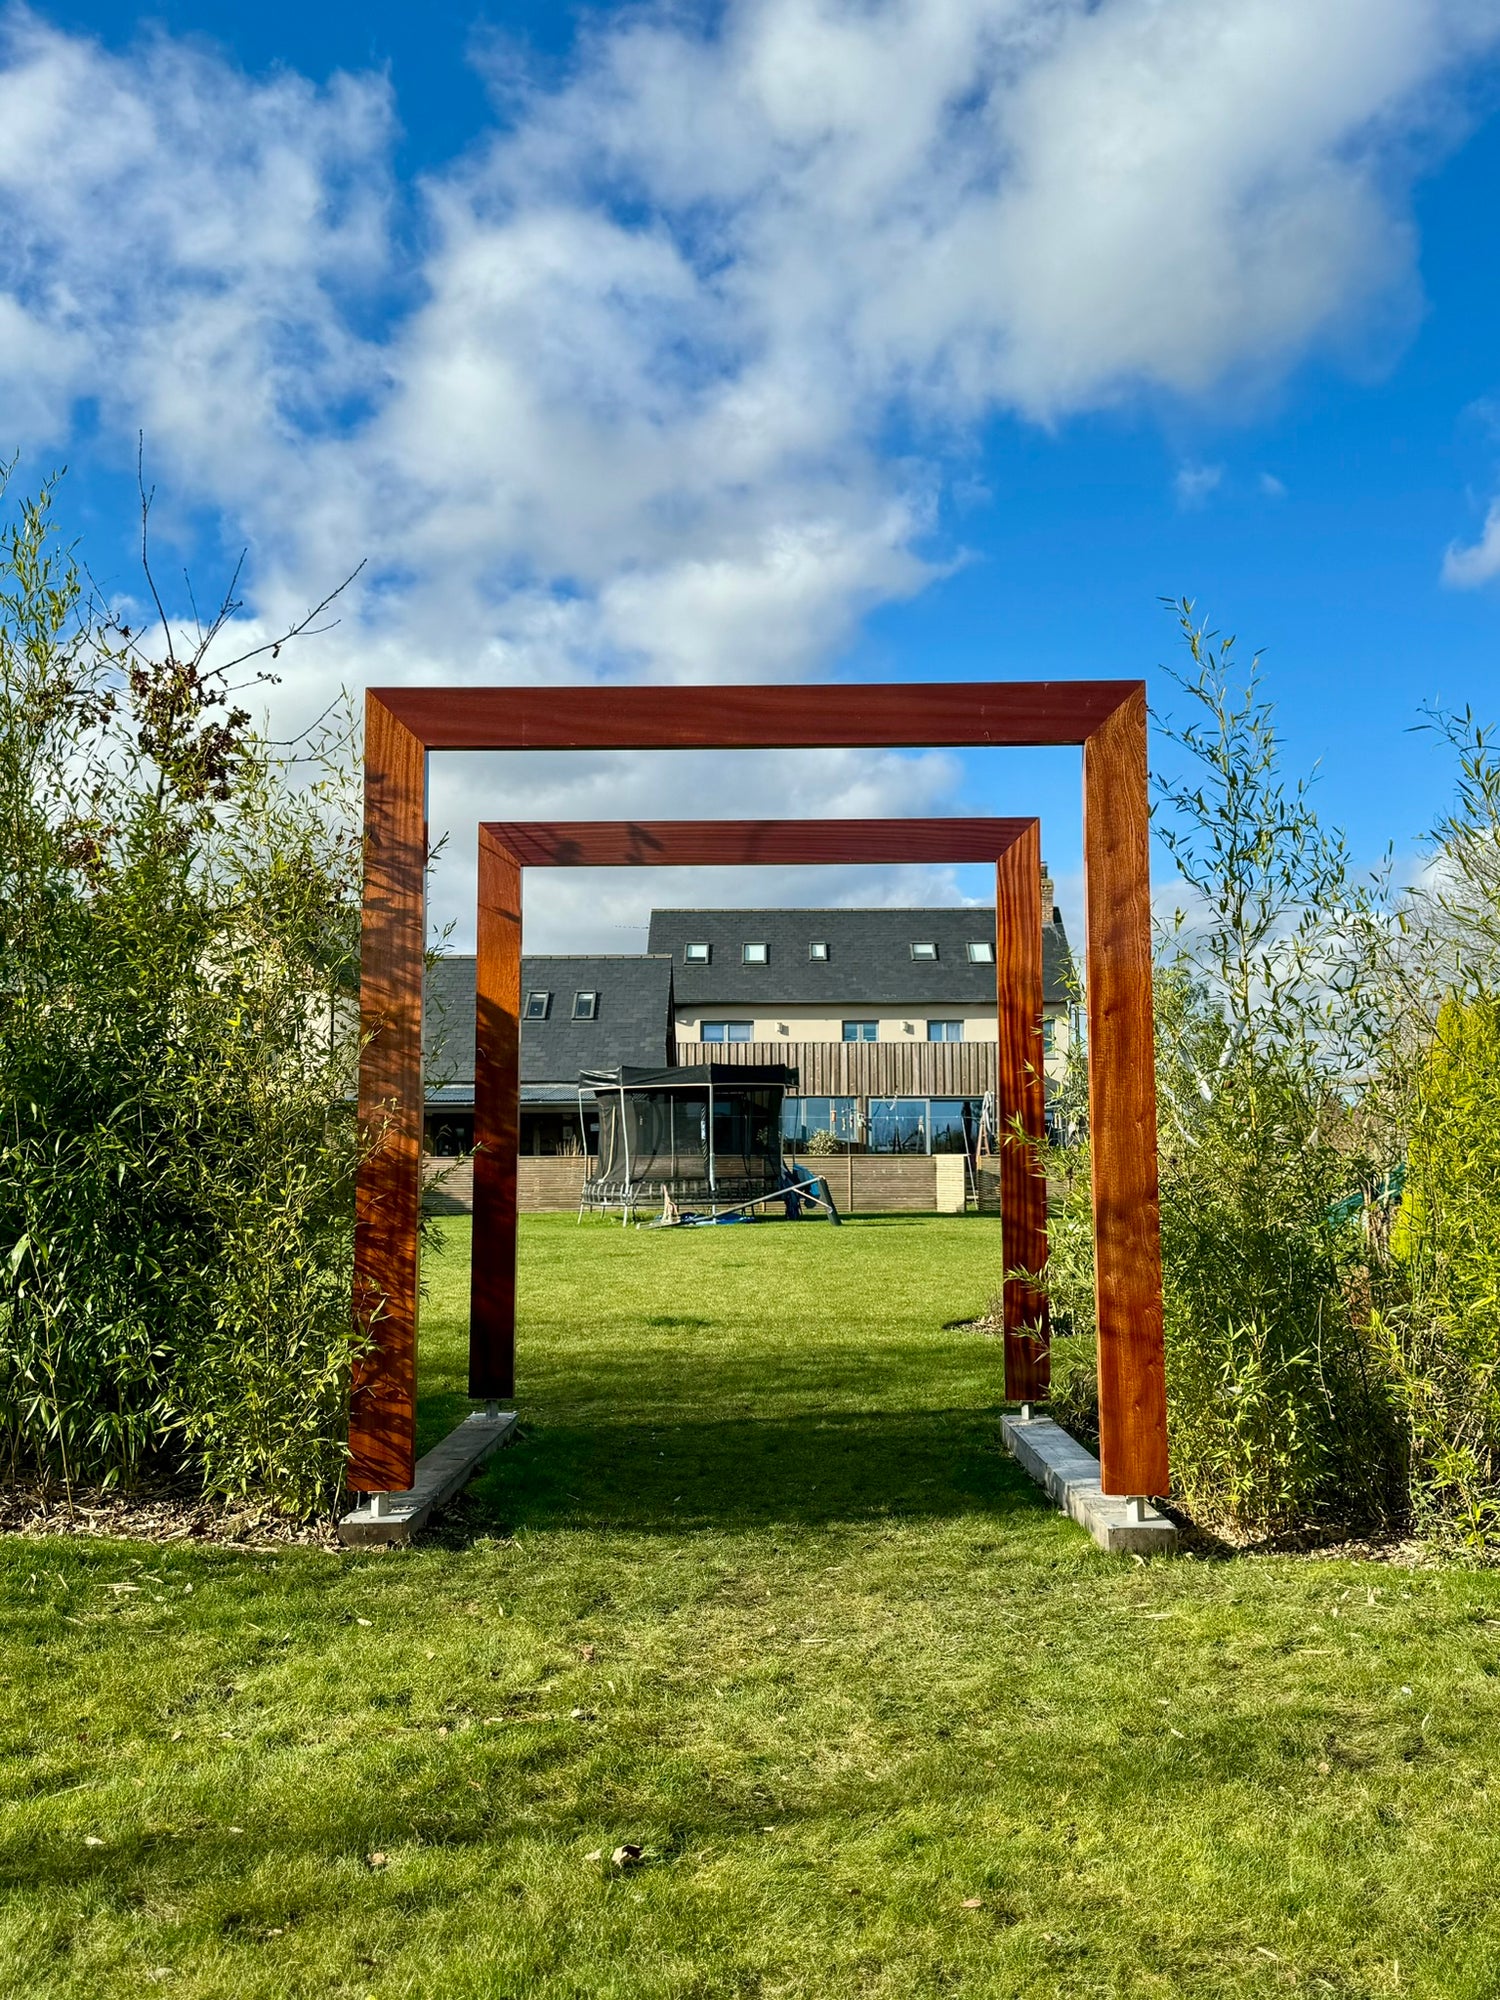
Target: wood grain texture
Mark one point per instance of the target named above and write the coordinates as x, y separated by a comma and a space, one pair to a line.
1020, 1106
1107, 717
768, 717
907, 1068
747, 842
497, 1121
382, 1408
1122, 1105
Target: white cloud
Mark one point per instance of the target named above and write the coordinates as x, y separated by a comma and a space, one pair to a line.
1272, 487
609, 395
1468, 567
1194, 483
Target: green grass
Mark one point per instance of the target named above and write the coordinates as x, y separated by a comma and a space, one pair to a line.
758, 1591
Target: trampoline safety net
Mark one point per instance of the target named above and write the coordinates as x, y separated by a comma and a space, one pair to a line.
707, 1134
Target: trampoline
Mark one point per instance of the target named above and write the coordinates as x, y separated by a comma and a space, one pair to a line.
705, 1136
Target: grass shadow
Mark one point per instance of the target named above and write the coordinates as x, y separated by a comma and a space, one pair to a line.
807, 1469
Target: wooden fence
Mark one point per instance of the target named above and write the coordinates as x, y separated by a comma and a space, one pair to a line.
865, 1069
861, 1183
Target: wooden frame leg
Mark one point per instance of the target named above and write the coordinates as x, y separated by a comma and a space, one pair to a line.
1020, 1106
497, 1123
388, 1202
1122, 1104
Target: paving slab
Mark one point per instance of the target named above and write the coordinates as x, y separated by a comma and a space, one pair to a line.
441, 1473
1069, 1474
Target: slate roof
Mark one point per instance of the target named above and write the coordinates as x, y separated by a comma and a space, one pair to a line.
634, 1023
869, 960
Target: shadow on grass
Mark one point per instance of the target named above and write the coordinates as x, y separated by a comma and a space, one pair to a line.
741, 1472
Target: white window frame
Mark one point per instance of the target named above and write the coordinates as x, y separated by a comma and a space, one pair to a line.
697, 953
588, 1013
981, 952
755, 953
531, 1012
818, 950
925, 949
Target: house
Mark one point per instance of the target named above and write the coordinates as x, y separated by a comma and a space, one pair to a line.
577, 1013
888, 1015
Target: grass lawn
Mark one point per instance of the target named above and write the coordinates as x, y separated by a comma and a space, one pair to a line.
759, 1593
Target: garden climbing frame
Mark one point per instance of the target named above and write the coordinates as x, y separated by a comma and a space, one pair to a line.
402, 725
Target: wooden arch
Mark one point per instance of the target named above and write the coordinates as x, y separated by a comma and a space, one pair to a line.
1107, 718
505, 851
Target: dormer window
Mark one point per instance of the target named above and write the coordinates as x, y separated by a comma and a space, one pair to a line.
981, 952
696, 954
754, 954
924, 950
537, 1005
585, 1006
818, 948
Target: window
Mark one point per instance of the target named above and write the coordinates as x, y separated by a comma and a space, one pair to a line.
725, 1031
695, 954
585, 1006
953, 1124
861, 1031
804, 1118
945, 1031
818, 948
1049, 1034
898, 1124
537, 1005
924, 950
754, 954
981, 952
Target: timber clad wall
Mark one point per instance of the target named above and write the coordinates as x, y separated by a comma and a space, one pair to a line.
865, 1069
550, 1181
861, 1183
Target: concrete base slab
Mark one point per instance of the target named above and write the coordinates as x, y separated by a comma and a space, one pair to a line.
1069, 1475
441, 1472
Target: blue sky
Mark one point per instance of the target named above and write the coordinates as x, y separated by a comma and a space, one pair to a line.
790, 339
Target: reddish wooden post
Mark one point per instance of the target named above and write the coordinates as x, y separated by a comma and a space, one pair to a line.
382, 1407
1107, 717
1122, 1103
1020, 1105
497, 1122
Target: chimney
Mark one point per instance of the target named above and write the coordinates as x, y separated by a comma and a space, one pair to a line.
1050, 912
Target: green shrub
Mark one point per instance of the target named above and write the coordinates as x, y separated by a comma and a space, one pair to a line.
178, 942
1280, 1412
1278, 1404
1444, 1333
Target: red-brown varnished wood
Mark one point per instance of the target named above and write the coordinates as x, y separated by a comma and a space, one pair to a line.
497, 1121
1107, 717
731, 842
764, 717
382, 1409
1020, 1105
1122, 1104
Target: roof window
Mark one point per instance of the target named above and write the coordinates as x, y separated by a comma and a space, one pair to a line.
924, 949
754, 954
981, 952
696, 954
585, 1006
537, 1005
818, 948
